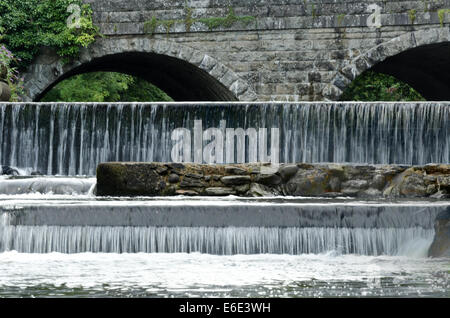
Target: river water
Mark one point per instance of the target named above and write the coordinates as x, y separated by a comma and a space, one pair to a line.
58, 240
311, 261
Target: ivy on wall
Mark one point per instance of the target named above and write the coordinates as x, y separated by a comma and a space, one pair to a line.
27, 25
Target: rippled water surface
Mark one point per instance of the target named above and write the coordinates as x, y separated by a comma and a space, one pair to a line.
203, 275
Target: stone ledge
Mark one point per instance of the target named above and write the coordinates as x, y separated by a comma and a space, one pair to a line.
255, 180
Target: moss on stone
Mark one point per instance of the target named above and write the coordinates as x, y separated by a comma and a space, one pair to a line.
340, 18
441, 15
212, 23
412, 15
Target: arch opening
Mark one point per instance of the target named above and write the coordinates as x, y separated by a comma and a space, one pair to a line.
425, 68
179, 79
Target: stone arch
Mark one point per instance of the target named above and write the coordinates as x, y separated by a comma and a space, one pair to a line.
407, 58
186, 64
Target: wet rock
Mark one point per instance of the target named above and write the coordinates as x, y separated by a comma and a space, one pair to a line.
235, 180
220, 191
128, 179
378, 182
36, 173
356, 184
413, 186
296, 180
351, 192
441, 243
162, 170
440, 195
269, 179
194, 175
175, 166
287, 171
437, 168
173, 178
242, 189
259, 190
431, 189
235, 170
429, 179
335, 169
372, 192
186, 192
189, 182
335, 184
6, 170
308, 182
409, 183
444, 181
354, 187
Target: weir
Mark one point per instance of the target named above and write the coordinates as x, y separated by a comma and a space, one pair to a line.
59, 213
71, 138
219, 227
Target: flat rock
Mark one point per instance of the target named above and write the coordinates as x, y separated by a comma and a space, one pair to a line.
234, 170
235, 180
186, 192
219, 191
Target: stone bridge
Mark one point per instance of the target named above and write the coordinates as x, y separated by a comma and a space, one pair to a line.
265, 50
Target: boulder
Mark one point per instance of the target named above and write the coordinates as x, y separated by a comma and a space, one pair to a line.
190, 182
235, 180
219, 191
260, 190
173, 178
234, 170
441, 243
269, 179
7, 170
287, 171
128, 179
308, 182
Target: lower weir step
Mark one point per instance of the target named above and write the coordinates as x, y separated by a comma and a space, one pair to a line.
222, 241
238, 213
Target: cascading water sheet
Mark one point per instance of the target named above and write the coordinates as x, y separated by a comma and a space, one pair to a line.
71, 139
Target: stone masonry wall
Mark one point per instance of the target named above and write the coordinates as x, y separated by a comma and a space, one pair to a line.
292, 49
285, 50
253, 180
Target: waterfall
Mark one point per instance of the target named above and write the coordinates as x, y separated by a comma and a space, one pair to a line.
242, 229
222, 241
71, 139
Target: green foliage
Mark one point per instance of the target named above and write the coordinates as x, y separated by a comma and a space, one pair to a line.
9, 74
412, 15
372, 86
226, 22
441, 15
30, 24
105, 87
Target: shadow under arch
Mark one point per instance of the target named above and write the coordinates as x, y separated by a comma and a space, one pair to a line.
180, 80
425, 68
184, 73
421, 59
